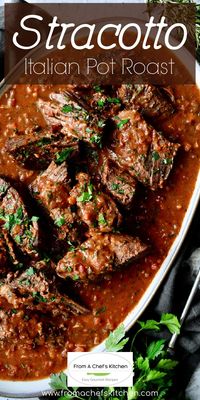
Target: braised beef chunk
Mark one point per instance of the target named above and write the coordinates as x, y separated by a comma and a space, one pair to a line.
100, 254
36, 289
73, 120
151, 101
119, 183
141, 150
36, 149
95, 208
104, 103
101, 99
15, 220
51, 189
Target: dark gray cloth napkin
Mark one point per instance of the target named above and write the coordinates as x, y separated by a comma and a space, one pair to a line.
172, 297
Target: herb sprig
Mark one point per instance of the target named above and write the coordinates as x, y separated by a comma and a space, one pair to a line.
154, 369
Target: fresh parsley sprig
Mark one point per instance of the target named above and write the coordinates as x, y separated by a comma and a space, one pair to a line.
116, 340
154, 369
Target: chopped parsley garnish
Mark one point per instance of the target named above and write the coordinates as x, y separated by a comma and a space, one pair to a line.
101, 123
39, 298
72, 247
89, 130
122, 122
67, 108
97, 89
116, 187
60, 221
13, 311
43, 141
113, 100
96, 139
63, 155
34, 218
155, 155
30, 271
101, 102
86, 196
100, 310
167, 161
18, 239
102, 220
75, 277
13, 219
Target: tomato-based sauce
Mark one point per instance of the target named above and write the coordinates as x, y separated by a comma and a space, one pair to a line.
156, 218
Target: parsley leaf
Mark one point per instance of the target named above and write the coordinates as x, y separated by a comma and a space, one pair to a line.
101, 102
59, 381
75, 277
67, 108
13, 219
113, 100
30, 271
167, 161
155, 375
101, 123
116, 187
97, 139
63, 155
34, 218
166, 364
97, 89
142, 363
60, 221
72, 247
114, 341
171, 322
122, 122
155, 349
13, 311
155, 155
86, 196
18, 239
150, 324
101, 219
40, 299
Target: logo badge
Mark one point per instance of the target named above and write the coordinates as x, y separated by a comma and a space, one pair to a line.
100, 369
